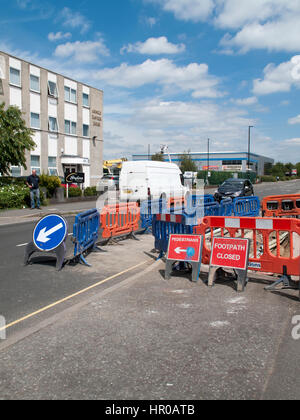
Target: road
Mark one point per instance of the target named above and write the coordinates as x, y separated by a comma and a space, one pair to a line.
24, 290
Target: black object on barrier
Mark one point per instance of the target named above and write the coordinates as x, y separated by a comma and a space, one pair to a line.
85, 234
49, 235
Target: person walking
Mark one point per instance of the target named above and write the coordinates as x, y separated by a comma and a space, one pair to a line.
33, 182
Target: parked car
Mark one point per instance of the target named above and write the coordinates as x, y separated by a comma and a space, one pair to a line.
233, 188
107, 182
141, 180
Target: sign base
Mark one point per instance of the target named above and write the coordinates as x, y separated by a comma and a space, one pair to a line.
195, 270
218, 272
60, 253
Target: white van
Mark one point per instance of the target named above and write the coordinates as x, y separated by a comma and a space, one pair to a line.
140, 180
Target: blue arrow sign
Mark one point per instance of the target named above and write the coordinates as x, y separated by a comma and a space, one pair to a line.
50, 232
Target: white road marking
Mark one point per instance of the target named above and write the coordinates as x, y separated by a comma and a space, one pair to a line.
21, 245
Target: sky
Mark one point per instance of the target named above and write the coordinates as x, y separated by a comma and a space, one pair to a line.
173, 72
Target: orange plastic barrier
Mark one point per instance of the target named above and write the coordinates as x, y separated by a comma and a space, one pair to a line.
261, 258
176, 202
120, 219
281, 206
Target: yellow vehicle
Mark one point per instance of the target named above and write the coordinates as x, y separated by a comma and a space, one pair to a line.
113, 167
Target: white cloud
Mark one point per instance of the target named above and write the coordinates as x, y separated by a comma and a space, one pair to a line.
191, 78
279, 78
194, 10
293, 142
294, 120
74, 20
252, 100
58, 36
82, 52
151, 21
154, 46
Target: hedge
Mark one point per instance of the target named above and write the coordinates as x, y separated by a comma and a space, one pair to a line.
218, 177
16, 196
90, 192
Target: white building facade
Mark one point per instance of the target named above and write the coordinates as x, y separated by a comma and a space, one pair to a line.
66, 116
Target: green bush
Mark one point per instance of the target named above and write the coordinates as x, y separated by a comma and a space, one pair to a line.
218, 177
9, 180
268, 178
75, 192
49, 182
90, 192
16, 196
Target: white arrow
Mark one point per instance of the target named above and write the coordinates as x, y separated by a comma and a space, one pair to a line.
179, 250
43, 235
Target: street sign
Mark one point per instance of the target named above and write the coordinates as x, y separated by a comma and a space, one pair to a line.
75, 178
230, 252
184, 248
50, 232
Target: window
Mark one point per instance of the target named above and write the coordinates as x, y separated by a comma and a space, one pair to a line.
15, 76
35, 164
52, 89
86, 130
34, 83
231, 162
15, 171
35, 120
70, 95
70, 127
53, 126
85, 99
52, 166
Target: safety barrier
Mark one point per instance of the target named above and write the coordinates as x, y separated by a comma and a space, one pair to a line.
120, 219
261, 232
85, 233
281, 206
148, 209
199, 200
164, 225
246, 207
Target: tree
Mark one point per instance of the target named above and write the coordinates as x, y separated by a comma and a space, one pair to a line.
158, 157
187, 164
15, 139
279, 169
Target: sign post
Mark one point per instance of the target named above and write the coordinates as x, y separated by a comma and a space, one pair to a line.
230, 253
185, 248
49, 235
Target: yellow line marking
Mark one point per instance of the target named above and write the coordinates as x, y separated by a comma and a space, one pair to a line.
70, 297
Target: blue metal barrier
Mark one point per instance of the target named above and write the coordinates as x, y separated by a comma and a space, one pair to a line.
246, 206
226, 207
197, 200
85, 233
148, 209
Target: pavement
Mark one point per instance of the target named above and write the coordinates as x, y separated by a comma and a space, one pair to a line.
140, 337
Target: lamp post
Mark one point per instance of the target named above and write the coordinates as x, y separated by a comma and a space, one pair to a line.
207, 160
249, 133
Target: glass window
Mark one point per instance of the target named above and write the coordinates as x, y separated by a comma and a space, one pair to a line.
52, 89
52, 166
74, 128
35, 164
15, 171
35, 120
86, 130
67, 127
85, 99
34, 83
70, 95
53, 126
15, 76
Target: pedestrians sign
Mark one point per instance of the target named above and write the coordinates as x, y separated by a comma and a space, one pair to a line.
184, 248
50, 232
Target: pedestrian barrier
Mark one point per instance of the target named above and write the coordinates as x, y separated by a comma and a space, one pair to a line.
85, 233
246, 207
226, 207
120, 219
261, 232
197, 200
281, 206
148, 209
166, 224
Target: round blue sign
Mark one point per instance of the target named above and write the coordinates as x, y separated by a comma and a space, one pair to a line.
50, 232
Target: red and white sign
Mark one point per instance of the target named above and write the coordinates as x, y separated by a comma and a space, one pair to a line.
230, 253
185, 248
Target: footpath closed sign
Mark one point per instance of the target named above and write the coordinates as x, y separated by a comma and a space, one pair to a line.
230, 253
185, 248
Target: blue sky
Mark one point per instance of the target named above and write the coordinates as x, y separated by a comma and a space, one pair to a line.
174, 72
